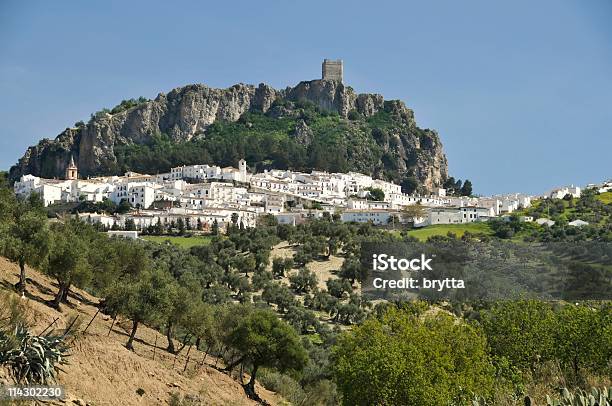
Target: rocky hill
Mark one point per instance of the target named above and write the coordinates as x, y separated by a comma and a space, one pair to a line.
318, 124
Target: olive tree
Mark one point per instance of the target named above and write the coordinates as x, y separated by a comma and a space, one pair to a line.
262, 340
25, 236
144, 299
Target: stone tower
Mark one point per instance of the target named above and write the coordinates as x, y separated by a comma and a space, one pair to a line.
242, 167
332, 70
72, 172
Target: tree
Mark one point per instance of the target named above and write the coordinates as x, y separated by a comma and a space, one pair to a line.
583, 337
351, 269
263, 340
261, 278
376, 194
124, 207
304, 281
337, 287
304, 321
144, 299
25, 239
278, 294
280, 266
180, 224
130, 225
466, 189
183, 294
68, 257
413, 212
402, 359
521, 331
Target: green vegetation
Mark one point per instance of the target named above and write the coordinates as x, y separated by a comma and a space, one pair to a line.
590, 207
326, 343
123, 106
605, 198
269, 141
24, 232
444, 229
183, 242
403, 359
457, 187
32, 359
29, 359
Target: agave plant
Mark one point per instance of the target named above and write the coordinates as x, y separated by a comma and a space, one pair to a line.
32, 359
596, 397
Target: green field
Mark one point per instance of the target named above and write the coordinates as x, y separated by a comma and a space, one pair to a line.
443, 229
183, 242
605, 197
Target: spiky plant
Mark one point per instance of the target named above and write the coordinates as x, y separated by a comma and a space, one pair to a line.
32, 359
596, 397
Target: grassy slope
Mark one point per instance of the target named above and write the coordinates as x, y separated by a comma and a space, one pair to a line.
183, 242
605, 197
443, 229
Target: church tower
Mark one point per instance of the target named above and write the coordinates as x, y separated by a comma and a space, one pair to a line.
242, 167
72, 172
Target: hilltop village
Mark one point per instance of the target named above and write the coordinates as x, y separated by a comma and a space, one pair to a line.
203, 195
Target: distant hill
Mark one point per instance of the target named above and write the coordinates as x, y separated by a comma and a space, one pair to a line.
318, 124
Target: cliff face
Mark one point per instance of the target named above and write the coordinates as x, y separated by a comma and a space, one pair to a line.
187, 112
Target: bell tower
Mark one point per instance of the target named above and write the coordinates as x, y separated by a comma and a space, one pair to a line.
72, 172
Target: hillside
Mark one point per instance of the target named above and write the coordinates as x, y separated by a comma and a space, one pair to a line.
101, 371
318, 124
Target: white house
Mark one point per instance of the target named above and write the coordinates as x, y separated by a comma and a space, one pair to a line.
578, 223
375, 216
458, 215
545, 222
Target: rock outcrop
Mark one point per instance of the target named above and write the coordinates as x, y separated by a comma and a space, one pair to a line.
186, 112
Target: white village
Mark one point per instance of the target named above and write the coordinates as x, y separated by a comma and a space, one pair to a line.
203, 195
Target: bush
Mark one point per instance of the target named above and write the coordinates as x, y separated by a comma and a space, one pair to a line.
286, 386
403, 359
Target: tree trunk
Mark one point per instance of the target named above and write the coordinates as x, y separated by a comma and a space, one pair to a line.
21, 285
58, 297
197, 343
66, 292
129, 345
249, 388
170, 347
186, 338
232, 365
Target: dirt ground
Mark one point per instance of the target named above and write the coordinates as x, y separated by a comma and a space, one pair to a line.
101, 371
324, 270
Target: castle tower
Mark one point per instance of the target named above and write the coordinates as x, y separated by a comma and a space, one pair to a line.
72, 172
332, 70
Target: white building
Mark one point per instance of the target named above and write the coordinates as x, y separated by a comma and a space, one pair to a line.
458, 215
578, 223
376, 217
545, 222
560, 193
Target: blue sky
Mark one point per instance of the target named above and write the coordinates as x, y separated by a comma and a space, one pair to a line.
520, 92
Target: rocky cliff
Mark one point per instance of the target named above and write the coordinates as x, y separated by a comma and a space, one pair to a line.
187, 113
